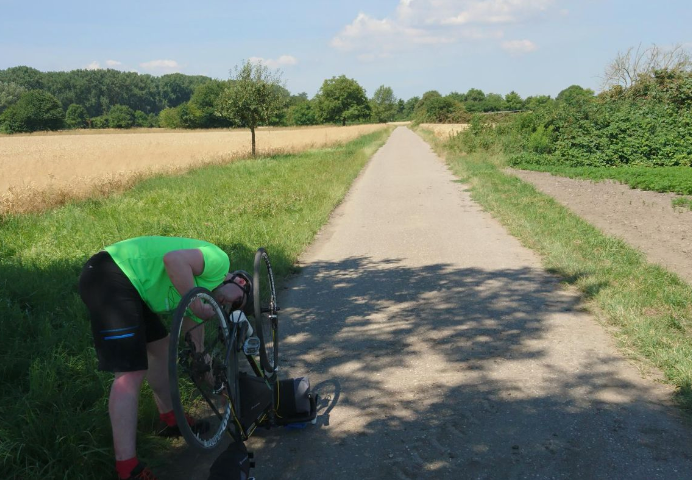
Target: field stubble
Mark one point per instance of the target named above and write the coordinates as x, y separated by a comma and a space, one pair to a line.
41, 171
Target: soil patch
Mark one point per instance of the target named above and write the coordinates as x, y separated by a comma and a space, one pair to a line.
645, 220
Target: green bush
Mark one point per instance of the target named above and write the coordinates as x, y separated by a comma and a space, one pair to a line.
541, 141
190, 116
34, 111
76, 116
99, 122
169, 118
141, 119
302, 114
121, 116
204, 99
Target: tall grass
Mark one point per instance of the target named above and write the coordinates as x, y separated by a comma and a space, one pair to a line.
53, 402
650, 308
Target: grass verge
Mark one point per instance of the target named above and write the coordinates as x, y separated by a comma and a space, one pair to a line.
53, 402
650, 307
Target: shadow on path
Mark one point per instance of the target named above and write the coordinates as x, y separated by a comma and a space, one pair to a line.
441, 372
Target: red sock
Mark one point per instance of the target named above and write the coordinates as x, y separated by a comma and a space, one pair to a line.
168, 418
124, 467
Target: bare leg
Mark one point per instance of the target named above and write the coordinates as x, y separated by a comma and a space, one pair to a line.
122, 407
157, 375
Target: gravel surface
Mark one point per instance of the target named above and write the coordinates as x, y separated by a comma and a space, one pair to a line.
442, 350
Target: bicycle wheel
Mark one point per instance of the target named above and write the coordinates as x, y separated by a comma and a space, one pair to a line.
266, 319
203, 373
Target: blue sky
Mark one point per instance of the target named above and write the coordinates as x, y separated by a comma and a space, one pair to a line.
533, 47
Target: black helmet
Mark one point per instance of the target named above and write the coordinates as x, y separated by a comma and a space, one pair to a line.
246, 288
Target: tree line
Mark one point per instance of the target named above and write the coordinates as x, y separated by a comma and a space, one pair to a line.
31, 100
642, 117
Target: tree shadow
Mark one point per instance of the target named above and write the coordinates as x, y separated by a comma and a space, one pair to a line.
441, 372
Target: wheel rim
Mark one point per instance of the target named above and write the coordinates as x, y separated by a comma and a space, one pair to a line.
265, 311
203, 374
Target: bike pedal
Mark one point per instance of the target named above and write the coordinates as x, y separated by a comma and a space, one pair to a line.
251, 346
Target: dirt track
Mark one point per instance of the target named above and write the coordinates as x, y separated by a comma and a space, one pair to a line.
645, 220
443, 350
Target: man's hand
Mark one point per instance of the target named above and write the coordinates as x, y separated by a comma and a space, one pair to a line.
202, 310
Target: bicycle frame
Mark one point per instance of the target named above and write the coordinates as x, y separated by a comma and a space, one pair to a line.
233, 353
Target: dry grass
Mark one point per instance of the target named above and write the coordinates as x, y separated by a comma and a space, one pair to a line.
445, 130
42, 171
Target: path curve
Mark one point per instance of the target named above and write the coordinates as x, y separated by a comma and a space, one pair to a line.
443, 350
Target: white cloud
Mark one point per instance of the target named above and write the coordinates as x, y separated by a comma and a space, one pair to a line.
282, 61
517, 47
113, 63
421, 23
387, 34
161, 65
494, 11
93, 66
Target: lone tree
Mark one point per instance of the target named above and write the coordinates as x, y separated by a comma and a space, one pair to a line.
341, 99
253, 97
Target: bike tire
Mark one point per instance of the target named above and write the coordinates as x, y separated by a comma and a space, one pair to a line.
203, 383
265, 312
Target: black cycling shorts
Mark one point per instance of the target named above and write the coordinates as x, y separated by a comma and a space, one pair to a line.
122, 324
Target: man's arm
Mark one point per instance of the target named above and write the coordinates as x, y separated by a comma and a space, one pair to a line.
182, 266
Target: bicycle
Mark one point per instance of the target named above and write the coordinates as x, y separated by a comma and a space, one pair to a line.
205, 375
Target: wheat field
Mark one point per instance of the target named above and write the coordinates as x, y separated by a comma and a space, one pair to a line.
41, 170
445, 130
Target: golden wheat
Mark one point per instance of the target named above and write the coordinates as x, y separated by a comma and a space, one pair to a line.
37, 171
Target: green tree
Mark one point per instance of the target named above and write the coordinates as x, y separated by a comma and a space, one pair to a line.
253, 97
539, 101
169, 118
383, 105
35, 110
76, 116
204, 99
475, 100
513, 101
439, 110
575, 94
456, 96
189, 115
302, 114
121, 116
141, 119
27, 77
177, 88
9, 94
400, 108
427, 96
493, 103
341, 99
409, 108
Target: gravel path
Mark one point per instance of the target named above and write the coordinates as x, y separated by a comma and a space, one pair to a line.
442, 350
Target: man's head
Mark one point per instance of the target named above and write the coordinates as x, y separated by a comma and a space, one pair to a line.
235, 292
